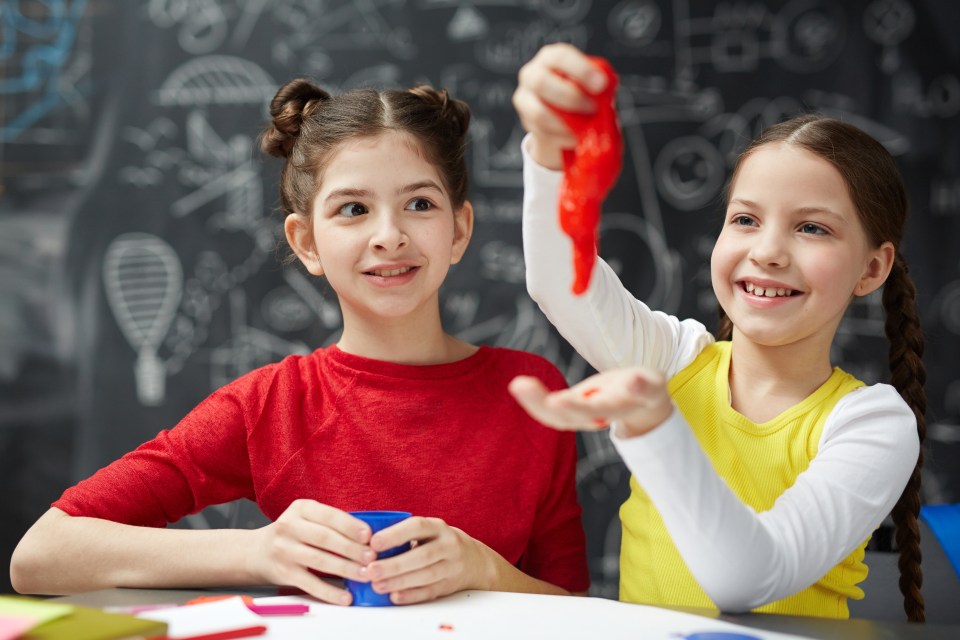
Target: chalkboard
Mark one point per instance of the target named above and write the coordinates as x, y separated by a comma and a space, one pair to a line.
139, 266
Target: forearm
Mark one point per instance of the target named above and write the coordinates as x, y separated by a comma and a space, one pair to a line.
496, 574
506, 577
61, 554
606, 325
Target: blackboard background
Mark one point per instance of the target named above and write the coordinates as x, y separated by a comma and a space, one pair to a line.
132, 126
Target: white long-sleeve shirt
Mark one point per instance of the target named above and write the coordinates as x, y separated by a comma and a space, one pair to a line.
742, 559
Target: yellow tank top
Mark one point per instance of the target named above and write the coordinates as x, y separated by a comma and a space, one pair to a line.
759, 462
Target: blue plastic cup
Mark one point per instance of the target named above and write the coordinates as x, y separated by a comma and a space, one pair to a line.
362, 592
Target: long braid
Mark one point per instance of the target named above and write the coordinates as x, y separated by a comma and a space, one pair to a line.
908, 376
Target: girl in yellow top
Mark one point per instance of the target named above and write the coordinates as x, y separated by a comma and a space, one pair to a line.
759, 469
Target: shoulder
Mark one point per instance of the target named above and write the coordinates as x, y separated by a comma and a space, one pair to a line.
512, 362
876, 413
293, 370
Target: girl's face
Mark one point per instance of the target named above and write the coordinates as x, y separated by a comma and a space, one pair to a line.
383, 230
792, 252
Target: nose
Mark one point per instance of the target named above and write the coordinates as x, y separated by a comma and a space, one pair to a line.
388, 234
769, 249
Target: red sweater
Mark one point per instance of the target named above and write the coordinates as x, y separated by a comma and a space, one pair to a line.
445, 441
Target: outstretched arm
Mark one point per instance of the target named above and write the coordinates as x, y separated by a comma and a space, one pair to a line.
743, 558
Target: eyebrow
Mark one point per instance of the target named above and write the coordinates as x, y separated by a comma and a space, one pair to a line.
350, 192
803, 210
416, 186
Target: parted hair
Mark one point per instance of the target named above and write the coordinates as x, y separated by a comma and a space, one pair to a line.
308, 125
878, 193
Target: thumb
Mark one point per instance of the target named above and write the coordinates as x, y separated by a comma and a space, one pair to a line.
527, 389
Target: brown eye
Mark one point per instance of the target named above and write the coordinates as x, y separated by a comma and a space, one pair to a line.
352, 210
419, 204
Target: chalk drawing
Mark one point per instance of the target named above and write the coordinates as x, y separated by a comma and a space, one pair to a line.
35, 52
143, 281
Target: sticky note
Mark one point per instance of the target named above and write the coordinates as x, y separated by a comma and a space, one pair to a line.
37, 610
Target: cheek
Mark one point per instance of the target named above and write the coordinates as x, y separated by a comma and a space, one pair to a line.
835, 274
334, 248
439, 239
721, 266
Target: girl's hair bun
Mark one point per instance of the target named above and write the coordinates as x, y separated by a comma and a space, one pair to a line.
455, 112
293, 104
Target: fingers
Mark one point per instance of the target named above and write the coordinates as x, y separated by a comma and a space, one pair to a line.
563, 410
562, 77
433, 568
423, 585
331, 529
305, 548
310, 535
409, 530
638, 396
539, 119
318, 588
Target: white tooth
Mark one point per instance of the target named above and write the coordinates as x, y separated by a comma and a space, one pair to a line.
758, 291
781, 292
771, 293
749, 287
387, 273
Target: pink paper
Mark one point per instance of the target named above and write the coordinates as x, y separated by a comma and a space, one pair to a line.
12, 627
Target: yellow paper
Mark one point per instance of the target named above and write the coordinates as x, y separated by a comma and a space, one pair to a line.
36, 610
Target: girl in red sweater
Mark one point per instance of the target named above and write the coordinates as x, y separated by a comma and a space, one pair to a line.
397, 414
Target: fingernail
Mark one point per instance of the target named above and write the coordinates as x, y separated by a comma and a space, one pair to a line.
596, 81
397, 597
601, 422
362, 572
345, 598
589, 392
369, 556
380, 587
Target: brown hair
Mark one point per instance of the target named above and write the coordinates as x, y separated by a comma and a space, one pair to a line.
880, 198
308, 125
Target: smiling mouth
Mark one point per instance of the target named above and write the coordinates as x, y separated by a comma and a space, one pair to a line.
768, 292
389, 273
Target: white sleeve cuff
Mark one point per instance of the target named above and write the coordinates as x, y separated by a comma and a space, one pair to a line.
654, 444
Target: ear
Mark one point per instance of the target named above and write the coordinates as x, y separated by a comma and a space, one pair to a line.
879, 263
300, 237
462, 231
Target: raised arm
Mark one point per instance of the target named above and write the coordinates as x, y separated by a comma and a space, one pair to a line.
606, 325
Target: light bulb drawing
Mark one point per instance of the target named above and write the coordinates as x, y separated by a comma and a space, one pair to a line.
143, 280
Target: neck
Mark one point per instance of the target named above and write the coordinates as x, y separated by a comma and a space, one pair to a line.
416, 341
764, 381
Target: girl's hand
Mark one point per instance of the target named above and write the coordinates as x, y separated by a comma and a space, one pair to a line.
555, 76
636, 396
443, 560
311, 535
